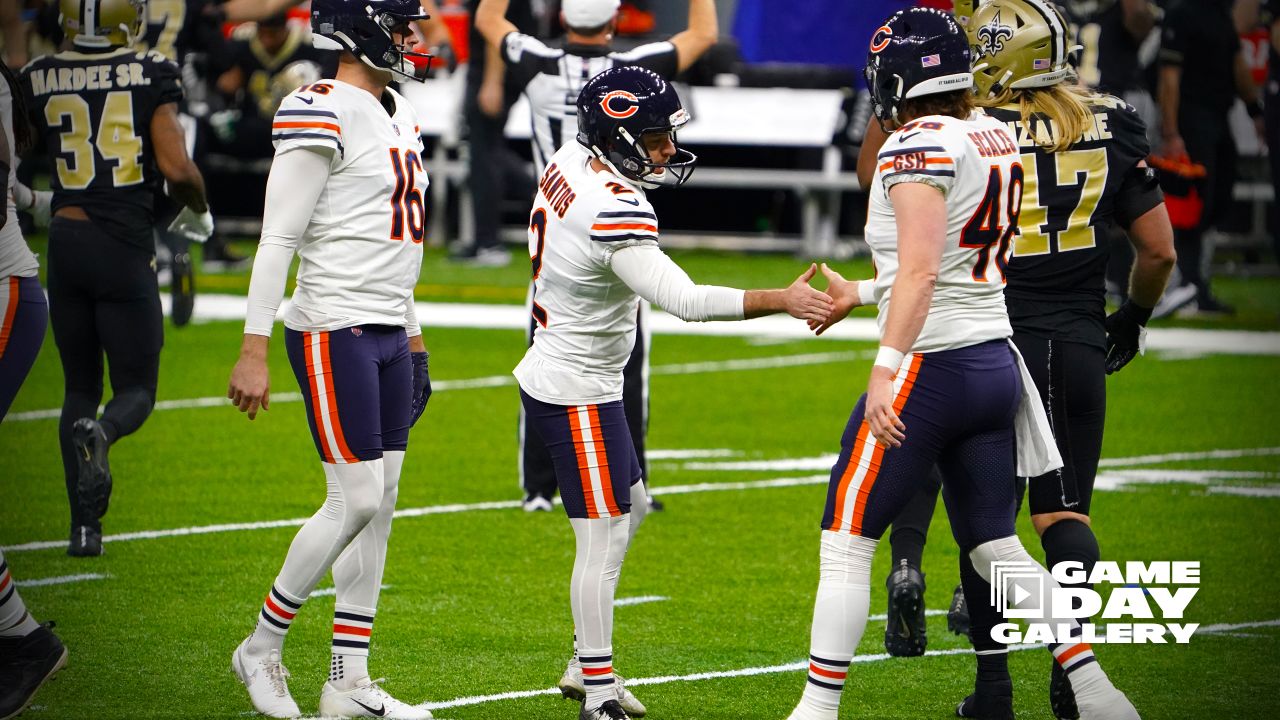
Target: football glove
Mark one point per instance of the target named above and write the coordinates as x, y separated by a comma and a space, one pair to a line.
1126, 335
196, 228
421, 386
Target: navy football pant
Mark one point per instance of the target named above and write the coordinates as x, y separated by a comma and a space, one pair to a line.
24, 315
592, 452
103, 298
357, 383
958, 407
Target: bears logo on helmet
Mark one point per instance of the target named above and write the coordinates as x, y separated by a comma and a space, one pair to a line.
630, 104
880, 38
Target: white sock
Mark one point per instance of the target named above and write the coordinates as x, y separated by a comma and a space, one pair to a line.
353, 498
1088, 681
839, 619
601, 547
15, 621
639, 510
357, 579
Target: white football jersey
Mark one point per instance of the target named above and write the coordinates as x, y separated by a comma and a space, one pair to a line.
584, 316
15, 257
974, 163
362, 251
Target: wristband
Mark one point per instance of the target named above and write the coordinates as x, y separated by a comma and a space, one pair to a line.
866, 292
889, 357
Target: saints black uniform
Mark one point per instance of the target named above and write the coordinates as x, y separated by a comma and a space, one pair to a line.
94, 110
1056, 279
1109, 60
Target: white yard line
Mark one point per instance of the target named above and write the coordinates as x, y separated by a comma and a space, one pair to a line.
639, 600
691, 453
1185, 456
492, 381
408, 512
333, 591
62, 580
1222, 629
516, 317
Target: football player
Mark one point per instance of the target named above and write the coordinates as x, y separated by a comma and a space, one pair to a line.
593, 242
947, 387
109, 119
345, 193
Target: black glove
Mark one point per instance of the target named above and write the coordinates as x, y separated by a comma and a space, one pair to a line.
421, 386
1124, 334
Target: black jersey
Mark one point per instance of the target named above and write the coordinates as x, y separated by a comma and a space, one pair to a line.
260, 68
94, 111
1109, 58
1071, 201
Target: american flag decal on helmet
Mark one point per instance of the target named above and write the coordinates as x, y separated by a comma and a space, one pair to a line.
930, 61
1040, 64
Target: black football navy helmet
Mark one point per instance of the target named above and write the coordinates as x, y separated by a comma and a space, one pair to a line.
364, 27
617, 107
916, 52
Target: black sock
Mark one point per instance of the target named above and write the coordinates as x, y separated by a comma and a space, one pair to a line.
1070, 540
993, 657
126, 411
907, 544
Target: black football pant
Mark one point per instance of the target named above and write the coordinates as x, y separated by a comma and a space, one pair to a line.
1272, 120
538, 474
103, 298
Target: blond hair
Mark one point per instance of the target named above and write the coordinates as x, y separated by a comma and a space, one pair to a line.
1064, 105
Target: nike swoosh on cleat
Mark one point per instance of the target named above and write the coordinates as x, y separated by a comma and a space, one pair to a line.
378, 712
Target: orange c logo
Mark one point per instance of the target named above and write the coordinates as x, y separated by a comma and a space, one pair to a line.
880, 38
630, 104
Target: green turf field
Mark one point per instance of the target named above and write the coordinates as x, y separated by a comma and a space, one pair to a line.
477, 596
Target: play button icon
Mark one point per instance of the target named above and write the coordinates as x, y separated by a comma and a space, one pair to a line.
1019, 594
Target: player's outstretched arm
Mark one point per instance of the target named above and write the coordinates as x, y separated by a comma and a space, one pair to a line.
799, 300
186, 184
845, 296
702, 33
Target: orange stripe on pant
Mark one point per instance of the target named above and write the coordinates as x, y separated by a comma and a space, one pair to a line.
584, 469
873, 463
339, 439
602, 458
10, 310
317, 414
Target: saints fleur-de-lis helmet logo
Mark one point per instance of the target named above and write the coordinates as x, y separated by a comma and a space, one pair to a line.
992, 36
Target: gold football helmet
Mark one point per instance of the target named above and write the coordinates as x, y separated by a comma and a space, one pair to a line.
1018, 44
102, 23
963, 10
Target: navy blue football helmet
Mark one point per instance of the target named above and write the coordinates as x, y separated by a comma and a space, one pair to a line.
616, 108
916, 52
364, 28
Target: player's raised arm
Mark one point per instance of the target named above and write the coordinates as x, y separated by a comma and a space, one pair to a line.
492, 22
703, 32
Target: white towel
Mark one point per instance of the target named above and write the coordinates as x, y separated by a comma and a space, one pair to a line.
1037, 451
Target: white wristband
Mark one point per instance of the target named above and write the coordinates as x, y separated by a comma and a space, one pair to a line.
867, 292
890, 358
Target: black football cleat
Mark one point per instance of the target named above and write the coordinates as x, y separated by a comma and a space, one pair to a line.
182, 289
609, 710
1061, 697
85, 542
991, 701
958, 613
26, 663
94, 471
905, 633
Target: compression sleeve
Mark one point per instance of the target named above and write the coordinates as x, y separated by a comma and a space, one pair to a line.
411, 326
656, 278
297, 178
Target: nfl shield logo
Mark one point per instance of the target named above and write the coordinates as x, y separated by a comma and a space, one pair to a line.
930, 61
357, 331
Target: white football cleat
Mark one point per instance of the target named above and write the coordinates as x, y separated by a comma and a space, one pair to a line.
367, 699
571, 687
265, 679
